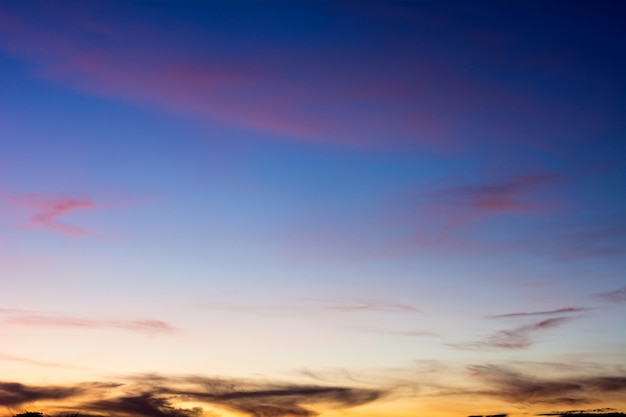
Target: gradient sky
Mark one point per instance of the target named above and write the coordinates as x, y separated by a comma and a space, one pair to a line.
291, 209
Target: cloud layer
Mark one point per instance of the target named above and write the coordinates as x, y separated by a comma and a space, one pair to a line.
154, 395
157, 396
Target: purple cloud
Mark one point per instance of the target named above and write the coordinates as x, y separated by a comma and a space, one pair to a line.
49, 211
542, 313
517, 338
617, 296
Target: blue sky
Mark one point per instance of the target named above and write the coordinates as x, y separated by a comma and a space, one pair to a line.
335, 208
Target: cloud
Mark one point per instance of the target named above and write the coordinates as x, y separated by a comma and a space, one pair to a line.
252, 92
590, 242
508, 384
305, 305
366, 305
492, 415
617, 296
606, 412
433, 217
517, 338
155, 395
584, 414
379, 94
455, 213
500, 197
14, 394
256, 399
19, 317
50, 211
542, 313
408, 333
146, 404
291, 400
158, 396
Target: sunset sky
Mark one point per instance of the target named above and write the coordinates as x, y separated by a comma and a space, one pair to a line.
311, 208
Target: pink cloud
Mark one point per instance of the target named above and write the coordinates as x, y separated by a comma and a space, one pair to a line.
500, 196
141, 326
318, 99
454, 212
521, 194
432, 218
49, 212
243, 94
330, 95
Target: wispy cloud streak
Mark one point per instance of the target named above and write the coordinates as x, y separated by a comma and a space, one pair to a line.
456, 213
505, 196
602, 412
597, 241
18, 317
465, 204
306, 305
401, 96
517, 338
405, 333
14, 394
158, 396
513, 386
617, 296
542, 313
50, 212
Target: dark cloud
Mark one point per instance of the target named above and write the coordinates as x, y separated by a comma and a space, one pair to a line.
492, 415
606, 412
584, 414
513, 386
153, 395
268, 400
517, 338
542, 313
617, 296
13, 394
145, 404
516, 387
157, 396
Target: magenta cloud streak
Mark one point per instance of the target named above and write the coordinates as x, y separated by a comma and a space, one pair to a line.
49, 212
345, 103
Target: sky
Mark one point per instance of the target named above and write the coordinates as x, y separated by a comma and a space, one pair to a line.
312, 208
